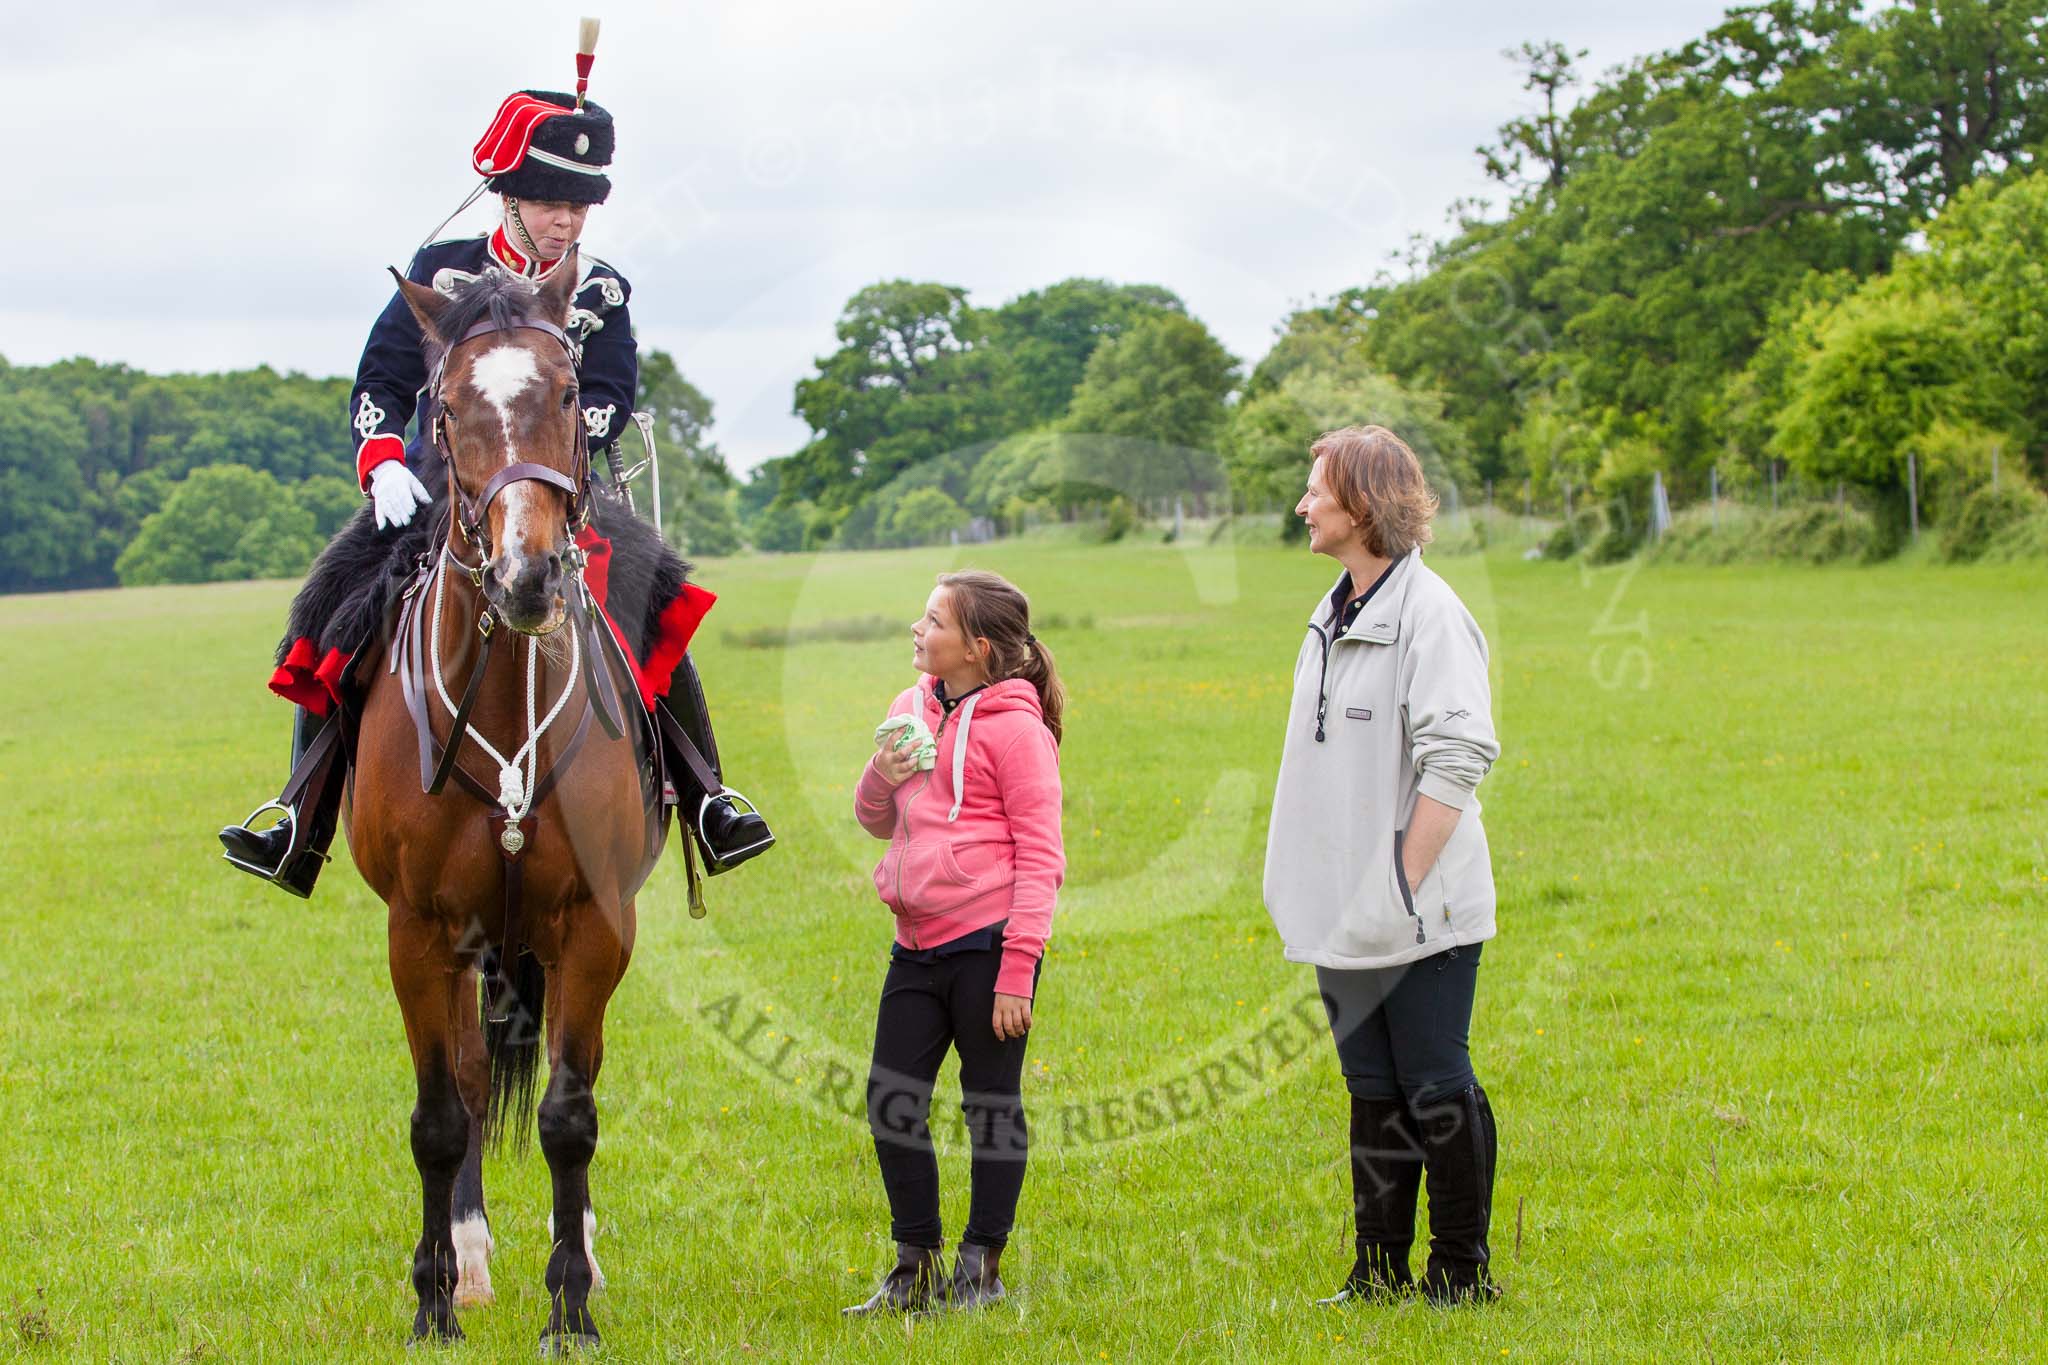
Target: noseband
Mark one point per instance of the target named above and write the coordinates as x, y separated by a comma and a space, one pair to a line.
468, 513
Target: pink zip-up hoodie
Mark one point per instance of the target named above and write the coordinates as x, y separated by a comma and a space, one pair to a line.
976, 839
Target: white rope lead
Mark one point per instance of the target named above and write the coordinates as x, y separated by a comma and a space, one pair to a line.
515, 789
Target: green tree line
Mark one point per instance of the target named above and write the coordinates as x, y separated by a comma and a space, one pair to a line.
108, 474
1807, 242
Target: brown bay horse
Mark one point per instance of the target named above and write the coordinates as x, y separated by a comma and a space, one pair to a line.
520, 874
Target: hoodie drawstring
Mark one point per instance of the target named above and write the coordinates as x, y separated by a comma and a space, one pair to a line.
960, 757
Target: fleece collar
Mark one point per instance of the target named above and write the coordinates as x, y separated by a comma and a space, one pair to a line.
1381, 619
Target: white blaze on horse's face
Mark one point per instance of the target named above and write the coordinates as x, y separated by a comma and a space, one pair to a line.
501, 376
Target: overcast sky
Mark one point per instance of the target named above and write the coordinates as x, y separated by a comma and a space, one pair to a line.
209, 186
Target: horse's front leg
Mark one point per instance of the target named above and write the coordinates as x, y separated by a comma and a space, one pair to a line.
425, 975
473, 1244
579, 988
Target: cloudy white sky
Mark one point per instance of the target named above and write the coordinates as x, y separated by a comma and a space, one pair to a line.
211, 185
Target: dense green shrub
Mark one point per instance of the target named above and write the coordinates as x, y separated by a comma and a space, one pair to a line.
2025, 539
1584, 527
1984, 515
1809, 533
779, 529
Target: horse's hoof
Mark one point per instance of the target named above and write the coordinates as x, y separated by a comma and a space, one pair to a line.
474, 1298
447, 1338
568, 1344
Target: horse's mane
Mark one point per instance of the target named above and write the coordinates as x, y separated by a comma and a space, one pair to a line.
507, 299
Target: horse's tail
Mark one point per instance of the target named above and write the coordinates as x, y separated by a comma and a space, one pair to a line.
513, 1046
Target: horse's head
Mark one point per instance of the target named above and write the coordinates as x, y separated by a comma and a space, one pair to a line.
506, 418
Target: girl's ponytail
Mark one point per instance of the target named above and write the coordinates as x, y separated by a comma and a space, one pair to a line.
991, 607
1040, 671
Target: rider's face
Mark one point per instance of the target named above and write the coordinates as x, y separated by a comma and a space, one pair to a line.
554, 227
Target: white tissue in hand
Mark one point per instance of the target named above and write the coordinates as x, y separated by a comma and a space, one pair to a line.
915, 735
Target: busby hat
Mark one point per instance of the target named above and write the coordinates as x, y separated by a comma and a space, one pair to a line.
547, 145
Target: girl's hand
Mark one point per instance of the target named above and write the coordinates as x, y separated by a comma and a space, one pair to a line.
892, 763
1013, 1016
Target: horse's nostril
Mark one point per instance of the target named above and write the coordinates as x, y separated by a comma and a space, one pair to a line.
554, 565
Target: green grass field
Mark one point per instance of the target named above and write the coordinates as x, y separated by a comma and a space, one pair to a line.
1764, 1026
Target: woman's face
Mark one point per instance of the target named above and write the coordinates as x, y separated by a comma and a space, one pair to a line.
554, 227
1330, 527
937, 645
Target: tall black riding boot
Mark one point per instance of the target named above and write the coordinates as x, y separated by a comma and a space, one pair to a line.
1386, 1173
1459, 1146
292, 852
727, 835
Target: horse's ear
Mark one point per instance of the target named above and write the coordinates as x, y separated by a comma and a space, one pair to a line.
560, 290
428, 307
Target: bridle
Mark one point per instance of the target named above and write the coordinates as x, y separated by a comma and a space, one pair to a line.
467, 514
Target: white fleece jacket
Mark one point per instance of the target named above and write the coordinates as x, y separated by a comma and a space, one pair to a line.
1397, 705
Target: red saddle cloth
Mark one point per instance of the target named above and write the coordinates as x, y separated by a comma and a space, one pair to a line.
313, 680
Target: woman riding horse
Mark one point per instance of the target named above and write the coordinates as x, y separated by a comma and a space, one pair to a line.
545, 155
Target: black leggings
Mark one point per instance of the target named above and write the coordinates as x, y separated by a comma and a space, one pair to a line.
1401, 1031
926, 1008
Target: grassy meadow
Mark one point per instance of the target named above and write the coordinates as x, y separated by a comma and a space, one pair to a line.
1764, 1025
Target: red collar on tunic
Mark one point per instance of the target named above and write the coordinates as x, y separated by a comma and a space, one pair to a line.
514, 260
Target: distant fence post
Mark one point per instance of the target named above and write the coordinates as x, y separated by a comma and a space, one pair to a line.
1994, 468
1660, 507
1714, 485
1774, 485
1912, 495
1841, 503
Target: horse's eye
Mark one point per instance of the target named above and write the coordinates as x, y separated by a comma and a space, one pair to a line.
568, 399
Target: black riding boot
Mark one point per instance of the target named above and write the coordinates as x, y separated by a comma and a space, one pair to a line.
909, 1285
291, 852
1386, 1173
1459, 1145
728, 835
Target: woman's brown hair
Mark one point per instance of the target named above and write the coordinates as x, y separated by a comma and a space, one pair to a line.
992, 608
1378, 482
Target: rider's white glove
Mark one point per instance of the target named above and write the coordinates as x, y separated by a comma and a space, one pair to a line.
397, 493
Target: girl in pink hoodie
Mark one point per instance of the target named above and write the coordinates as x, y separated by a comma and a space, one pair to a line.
973, 865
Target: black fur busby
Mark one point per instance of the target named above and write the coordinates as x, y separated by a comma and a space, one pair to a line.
565, 156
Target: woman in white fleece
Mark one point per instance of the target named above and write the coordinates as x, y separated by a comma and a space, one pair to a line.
1377, 869
974, 862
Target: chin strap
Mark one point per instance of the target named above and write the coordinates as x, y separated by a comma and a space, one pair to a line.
525, 241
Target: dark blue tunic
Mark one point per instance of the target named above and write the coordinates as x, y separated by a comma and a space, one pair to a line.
393, 370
